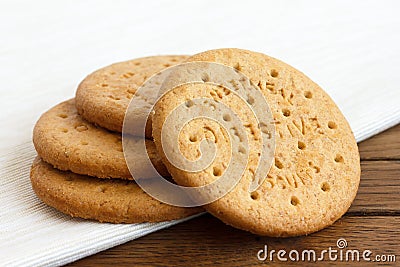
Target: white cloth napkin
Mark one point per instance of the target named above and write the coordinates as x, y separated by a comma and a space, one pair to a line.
33, 234
349, 48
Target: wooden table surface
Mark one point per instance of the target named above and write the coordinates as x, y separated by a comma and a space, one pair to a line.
373, 223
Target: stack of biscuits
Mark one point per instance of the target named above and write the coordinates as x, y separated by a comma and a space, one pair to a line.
81, 170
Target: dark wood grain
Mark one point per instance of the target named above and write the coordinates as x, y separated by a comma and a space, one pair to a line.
379, 190
384, 146
206, 241
373, 222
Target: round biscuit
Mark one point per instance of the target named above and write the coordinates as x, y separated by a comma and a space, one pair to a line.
114, 201
68, 142
316, 170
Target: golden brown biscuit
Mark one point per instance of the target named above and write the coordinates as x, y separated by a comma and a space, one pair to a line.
114, 201
103, 96
316, 170
68, 142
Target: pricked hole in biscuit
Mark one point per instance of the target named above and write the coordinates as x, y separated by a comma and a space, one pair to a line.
189, 103
332, 125
62, 115
104, 85
167, 65
255, 195
325, 187
250, 100
193, 138
274, 73
226, 117
102, 189
205, 77
137, 63
278, 164
84, 143
269, 182
301, 145
237, 67
174, 60
217, 171
81, 128
286, 112
317, 169
339, 159
64, 130
114, 97
294, 201
308, 94
242, 150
